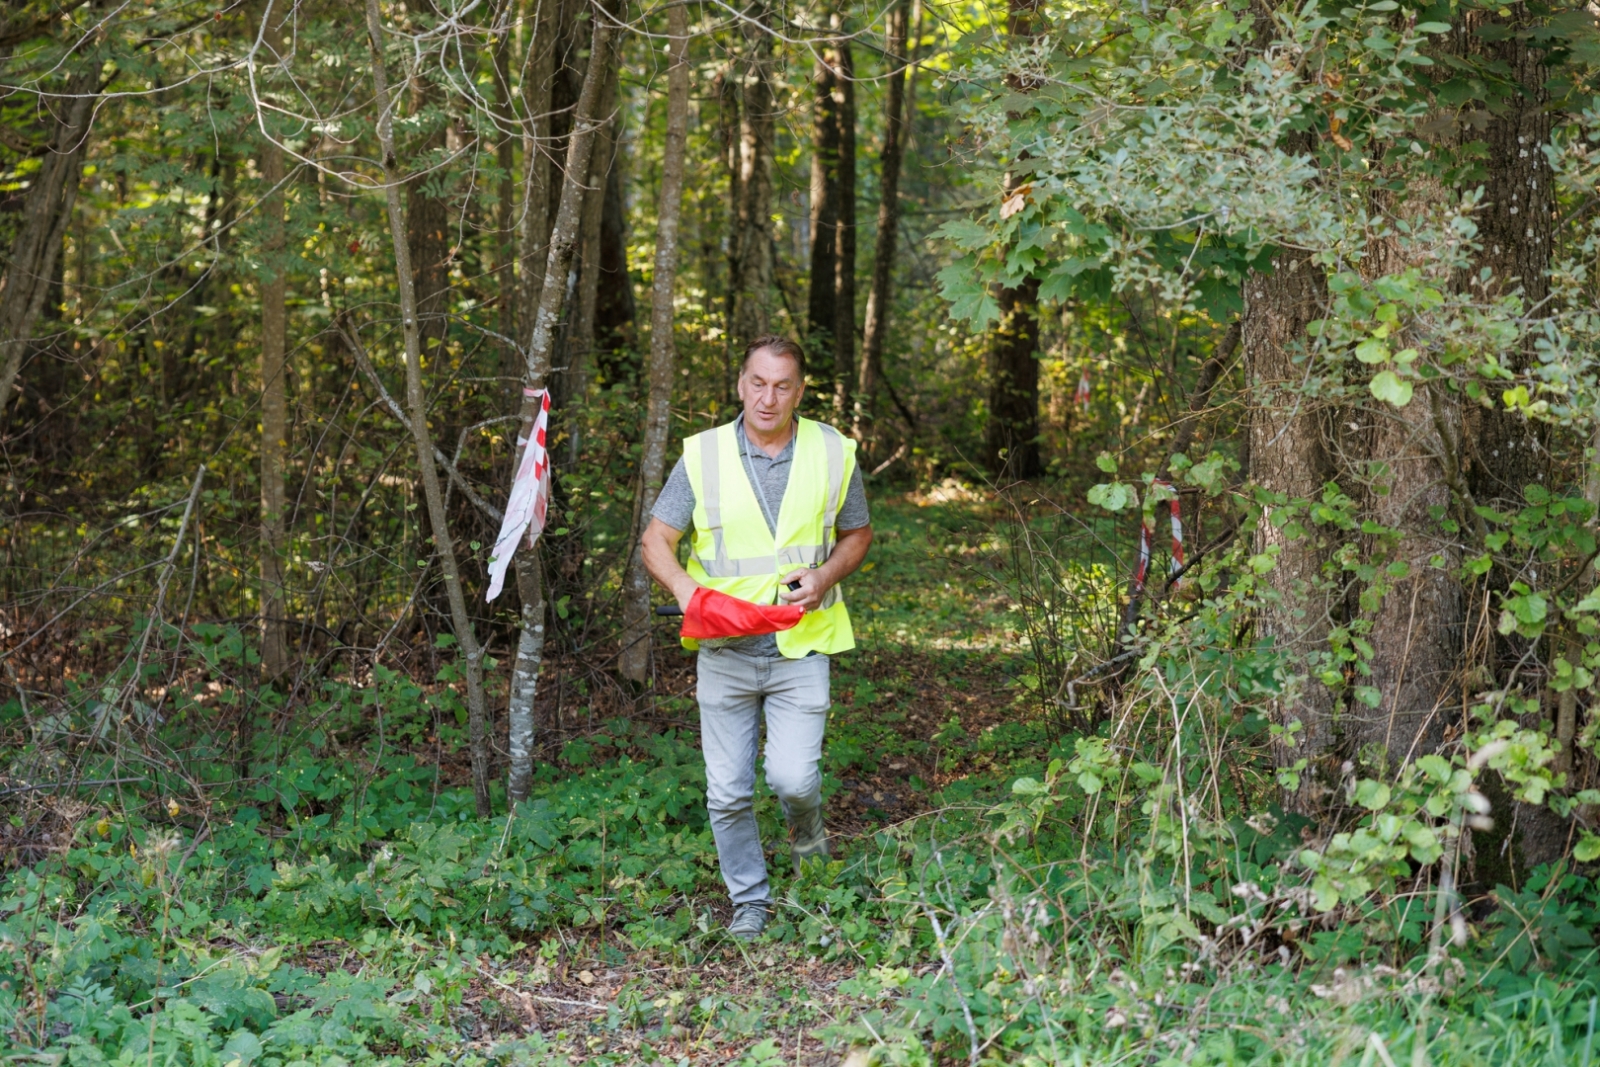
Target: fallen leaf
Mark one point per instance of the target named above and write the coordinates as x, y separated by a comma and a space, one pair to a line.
586, 977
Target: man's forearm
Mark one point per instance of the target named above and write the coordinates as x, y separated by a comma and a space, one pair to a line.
659, 547
847, 555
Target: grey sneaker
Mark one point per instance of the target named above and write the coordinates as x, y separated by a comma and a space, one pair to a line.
749, 920
808, 836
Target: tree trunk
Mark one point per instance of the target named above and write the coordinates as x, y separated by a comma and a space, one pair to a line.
46, 212
1013, 429
416, 401
274, 417
564, 235
616, 357
580, 335
752, 284
1504, 451
1288, 456
635, 659
729, 106
536, 145
1011, 436
894, 142
505, 253
1416, 630
824, 213
428, 221
844, 279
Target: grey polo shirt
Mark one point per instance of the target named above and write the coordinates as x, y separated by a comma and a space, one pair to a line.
675, 507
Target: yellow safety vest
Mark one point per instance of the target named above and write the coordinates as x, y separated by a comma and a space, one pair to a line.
732, 550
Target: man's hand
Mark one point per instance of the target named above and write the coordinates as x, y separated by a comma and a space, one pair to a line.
848, 552
811, 591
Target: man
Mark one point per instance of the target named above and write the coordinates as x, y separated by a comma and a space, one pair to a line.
775, 500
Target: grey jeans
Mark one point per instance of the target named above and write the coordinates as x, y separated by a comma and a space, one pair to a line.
734, 689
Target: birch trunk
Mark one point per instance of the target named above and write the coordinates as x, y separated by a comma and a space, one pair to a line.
876, 327
635, 659
274, 418
564, 235
45, 214
416, 401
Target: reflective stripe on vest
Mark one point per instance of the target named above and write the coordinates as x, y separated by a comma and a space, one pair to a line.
730, 526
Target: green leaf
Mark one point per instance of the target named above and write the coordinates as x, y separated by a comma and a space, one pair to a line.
1388, 387
966, 234
1372, 351
1113, 496
1372, 794
1434, 766
1587, 850
1106, 462
1433, 27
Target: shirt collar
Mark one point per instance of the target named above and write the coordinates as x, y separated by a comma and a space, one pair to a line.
745, 448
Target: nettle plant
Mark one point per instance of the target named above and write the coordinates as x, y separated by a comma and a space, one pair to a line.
1196, 157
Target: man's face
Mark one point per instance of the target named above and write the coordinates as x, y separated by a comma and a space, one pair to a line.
770, 387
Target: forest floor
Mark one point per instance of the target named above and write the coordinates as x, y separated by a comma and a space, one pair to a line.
925, 717
322, 892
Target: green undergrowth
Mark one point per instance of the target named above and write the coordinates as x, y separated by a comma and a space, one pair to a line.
1111, 886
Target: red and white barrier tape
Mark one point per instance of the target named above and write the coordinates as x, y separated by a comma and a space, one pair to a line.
1147, 534
530, 496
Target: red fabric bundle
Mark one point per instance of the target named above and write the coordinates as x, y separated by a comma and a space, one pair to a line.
714, 614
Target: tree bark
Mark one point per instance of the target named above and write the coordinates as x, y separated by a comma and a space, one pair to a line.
1514, 229
824, 213
274, 416
416, 401
1416, 630
1011, 436
1012, 433
564, 235
844, 264
634, 661
752, 282
876, 326
580, 335
729, 107
1288, 455
428, 232
536, 146
1504, 451
616, 357
505, 253
46, 212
